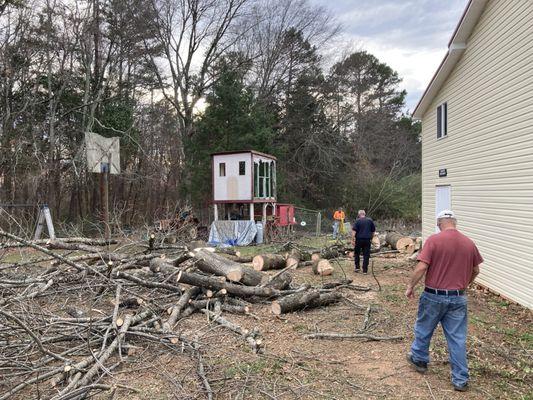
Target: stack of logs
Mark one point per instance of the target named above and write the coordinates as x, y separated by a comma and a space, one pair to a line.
133, 293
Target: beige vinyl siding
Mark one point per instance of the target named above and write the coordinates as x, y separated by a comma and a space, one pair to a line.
488, 152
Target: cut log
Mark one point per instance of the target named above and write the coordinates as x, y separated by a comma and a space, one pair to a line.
280, 282
162, 265
219, 265
294, 302
217, 283
238, 259
228, 250
399, 242
409, 249
327, 298
293, 258
265, 262
418, 243
233, 309
322, 267
315, 256
376, 243
307, 299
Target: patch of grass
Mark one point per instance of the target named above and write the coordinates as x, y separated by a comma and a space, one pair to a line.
259, 366
476, 320
527, 338
500, 303
299, 328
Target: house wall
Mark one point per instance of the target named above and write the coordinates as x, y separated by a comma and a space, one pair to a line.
232, 187
488, 152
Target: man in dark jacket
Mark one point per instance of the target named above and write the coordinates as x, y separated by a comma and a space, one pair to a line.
362, 234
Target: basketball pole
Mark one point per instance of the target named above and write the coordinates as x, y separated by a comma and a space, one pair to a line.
104, 201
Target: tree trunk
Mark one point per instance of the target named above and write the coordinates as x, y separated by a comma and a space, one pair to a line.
294, 302
219, 265
299, 301
294, 257
268, 261
216, 283
280, 282
401, 243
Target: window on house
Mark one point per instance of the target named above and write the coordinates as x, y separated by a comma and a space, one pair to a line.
242, 167
222, 169
442, 120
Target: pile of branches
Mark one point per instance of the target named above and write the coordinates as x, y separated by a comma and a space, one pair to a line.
67, 349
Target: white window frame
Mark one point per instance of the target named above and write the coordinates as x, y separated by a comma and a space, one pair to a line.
442, 112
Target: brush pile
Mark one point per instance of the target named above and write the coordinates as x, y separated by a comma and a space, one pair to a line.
125, 297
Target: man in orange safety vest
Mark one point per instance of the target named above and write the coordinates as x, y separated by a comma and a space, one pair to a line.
338, 222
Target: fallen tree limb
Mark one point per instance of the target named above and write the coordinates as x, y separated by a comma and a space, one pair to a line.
80, 240
41, 249
214, 283
333, 335
146, 283
249, 336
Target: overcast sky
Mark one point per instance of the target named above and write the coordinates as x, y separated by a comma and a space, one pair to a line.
411, 36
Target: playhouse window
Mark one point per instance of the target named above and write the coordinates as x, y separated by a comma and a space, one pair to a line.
242, 167
222, 169
264, 185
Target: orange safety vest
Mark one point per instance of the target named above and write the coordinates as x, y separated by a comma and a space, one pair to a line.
339, 215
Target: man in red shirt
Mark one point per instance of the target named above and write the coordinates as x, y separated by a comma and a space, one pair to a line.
450, 261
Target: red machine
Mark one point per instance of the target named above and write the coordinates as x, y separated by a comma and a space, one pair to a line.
285, 214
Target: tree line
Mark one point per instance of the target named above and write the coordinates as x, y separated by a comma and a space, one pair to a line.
179, 79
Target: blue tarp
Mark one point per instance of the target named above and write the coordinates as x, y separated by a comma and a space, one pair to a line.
232, 233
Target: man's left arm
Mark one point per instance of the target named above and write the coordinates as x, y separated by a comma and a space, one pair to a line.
475, 273
418, 273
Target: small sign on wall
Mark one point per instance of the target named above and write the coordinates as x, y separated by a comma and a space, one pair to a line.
443, 172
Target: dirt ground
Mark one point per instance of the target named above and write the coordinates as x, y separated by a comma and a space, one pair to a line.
500, 347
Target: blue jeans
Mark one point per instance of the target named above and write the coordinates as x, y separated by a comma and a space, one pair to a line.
451, 312
335, 229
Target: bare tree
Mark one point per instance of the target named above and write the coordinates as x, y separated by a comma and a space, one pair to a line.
273, 24
193, 36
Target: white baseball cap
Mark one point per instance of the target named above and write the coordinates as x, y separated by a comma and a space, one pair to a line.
446, 214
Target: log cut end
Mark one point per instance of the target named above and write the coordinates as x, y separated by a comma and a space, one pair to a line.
322, 268
258, 263
276, 308
292, 262
235, 275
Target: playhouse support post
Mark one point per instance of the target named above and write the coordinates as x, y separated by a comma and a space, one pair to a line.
215, 210
264, 219
252, 216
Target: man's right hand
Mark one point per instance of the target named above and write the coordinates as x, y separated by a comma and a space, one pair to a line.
409, 292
